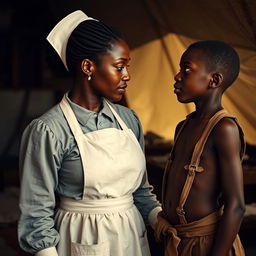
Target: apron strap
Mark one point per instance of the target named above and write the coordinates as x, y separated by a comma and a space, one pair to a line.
124, 126
76, 130
118, 118
194, 167
73, 123
70, 116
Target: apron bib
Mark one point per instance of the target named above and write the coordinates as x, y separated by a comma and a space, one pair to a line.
106, 221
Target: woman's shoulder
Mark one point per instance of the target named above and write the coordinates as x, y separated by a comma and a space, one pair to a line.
125, 112
120, 108
52, 121
132, 121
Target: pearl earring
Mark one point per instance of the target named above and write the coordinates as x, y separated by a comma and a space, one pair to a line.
89, 77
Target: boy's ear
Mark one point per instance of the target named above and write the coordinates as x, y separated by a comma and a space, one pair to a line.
87, 66
216, 80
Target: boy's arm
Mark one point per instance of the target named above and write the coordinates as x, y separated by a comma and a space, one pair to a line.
227, 144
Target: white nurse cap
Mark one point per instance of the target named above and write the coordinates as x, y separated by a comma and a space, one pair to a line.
60, 34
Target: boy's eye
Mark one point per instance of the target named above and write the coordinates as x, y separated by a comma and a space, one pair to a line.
187, 69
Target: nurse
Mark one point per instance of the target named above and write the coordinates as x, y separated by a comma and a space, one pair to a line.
89, 152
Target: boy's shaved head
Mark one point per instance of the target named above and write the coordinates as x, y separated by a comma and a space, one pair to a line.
219, 57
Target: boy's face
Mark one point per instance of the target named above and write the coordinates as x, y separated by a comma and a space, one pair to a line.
192, 81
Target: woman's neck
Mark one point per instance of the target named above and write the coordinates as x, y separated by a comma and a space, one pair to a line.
83, 97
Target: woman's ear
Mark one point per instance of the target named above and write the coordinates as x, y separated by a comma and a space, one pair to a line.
216, 80
87, 67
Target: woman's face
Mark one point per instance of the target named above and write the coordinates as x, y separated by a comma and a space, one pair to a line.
110, 75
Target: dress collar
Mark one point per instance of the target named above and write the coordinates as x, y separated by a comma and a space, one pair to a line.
83, 115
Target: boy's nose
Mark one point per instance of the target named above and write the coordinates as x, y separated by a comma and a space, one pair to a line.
177, 77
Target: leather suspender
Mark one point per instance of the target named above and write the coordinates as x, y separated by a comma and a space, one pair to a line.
194, 167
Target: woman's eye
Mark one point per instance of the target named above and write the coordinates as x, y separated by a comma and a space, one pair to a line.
120, 68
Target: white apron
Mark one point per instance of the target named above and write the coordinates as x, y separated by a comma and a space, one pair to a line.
106, 221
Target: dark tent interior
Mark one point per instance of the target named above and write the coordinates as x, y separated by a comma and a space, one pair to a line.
33, 79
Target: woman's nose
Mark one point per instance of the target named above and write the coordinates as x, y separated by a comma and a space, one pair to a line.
126, 75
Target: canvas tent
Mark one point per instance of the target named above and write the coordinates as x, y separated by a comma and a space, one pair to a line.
158, 31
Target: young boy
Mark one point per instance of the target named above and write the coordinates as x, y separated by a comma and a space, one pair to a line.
203, 203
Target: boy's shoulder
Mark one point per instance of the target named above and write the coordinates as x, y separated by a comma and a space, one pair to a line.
226, 126
227, 135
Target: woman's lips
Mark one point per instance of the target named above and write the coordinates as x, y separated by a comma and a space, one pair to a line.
121, 88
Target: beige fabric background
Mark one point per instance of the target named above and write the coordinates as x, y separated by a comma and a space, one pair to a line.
155, 63
158, 32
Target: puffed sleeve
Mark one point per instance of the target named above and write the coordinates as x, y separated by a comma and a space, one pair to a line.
144, 199
40, 160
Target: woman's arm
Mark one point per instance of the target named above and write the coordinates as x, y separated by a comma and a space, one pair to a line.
144, 199
39, 163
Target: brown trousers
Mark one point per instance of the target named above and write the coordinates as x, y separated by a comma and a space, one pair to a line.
194, 238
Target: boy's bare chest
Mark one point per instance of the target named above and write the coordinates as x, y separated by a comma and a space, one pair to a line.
182, 154
187, 140
176, 175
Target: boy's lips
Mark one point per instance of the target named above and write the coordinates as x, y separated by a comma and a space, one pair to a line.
176, 89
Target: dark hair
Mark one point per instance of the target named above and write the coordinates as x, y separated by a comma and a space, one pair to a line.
220, 57
88, 40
